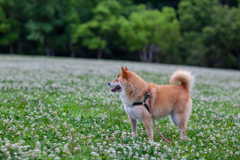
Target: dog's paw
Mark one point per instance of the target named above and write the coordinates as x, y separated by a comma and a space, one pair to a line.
134, 134
185, 139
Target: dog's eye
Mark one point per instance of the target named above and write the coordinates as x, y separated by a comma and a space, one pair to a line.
117, 80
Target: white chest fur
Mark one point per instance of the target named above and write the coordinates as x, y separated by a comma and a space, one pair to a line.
133, 111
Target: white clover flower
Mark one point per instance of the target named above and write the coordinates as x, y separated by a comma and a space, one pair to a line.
26, 129
57, 150
65, 149
94, 154
8, 144
37, 151
155, 152
165, 147
51, 155
4, 150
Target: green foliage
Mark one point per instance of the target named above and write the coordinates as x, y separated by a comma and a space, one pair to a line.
197, 13
9, 26
193, 43
151, 30
191, 32
42, 26
235, 38
208, 32
95, 33
140, 28
217, 36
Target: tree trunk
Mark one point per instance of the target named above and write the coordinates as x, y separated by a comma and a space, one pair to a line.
47, 50
71, 48
222, 59
53, 52
146, 55
171, 58
99, 53
143, 53
11, 48
20, 47
141, 56
157, 53
238, 58
150, 52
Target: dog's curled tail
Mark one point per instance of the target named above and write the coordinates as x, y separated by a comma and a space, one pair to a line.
183, 76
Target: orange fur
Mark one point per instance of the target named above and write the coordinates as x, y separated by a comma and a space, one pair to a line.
172, 100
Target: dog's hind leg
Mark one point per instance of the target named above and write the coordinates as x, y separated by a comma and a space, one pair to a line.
133, 124
181, 117
171, 117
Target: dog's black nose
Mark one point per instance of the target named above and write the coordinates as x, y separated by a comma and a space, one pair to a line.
109, 84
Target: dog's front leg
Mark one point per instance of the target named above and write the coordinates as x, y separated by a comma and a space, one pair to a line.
147, 121
133, 124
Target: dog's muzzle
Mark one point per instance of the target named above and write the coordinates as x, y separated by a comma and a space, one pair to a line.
116, 88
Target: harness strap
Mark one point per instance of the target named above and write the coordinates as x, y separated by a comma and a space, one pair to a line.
144, 101
141, 103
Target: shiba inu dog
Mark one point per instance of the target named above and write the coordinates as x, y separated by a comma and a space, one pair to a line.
172, 100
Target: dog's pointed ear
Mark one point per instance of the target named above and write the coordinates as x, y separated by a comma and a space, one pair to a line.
126, 68
124, 71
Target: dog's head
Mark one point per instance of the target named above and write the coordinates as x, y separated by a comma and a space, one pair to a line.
120, 80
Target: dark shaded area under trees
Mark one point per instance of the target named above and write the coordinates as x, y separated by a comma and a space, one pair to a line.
193, 32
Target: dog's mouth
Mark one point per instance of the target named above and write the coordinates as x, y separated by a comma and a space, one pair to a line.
115, 89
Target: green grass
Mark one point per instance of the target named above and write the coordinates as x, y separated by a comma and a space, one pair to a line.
54, 108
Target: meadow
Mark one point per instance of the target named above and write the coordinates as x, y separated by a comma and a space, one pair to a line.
57, 108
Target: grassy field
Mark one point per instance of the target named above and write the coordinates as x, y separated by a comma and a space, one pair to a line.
55, 108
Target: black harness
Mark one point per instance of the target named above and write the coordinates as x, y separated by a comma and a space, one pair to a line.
144, 101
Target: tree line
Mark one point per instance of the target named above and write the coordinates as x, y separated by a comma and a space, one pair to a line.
193, 32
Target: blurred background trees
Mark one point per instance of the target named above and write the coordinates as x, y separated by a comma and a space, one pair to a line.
193, 32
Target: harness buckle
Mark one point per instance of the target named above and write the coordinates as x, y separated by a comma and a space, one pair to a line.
148, 93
